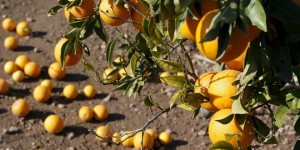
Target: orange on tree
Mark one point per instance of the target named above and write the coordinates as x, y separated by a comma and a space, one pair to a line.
138, 14
221, 88
165, 138
10, 67
116, 137
70, 91
23, 28
47, 83
20, 108
4, 86
230, 132
113, 14
237, 63
164, 74
100, 112
11, 43
152, 132
56, 72
18, 76
41, 93
108, 76
85, 113
8, 24
103, 132
201, 86
53, 124
89, 91
127, 140
71, 58
86, 9
237, 45
147, 139
21, 61
32, 69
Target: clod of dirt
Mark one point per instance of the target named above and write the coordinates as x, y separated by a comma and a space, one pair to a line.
70, 135
12, 130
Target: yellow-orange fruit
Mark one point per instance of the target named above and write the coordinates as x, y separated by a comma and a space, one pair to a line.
70, 91
104, 133
11, 43
4, 86
18, 76
237, 63
147, 139
23, 28
111, 78
8, 24
86, 9
138, 14
71, 58
55, 71
21, 61
41, 93
10, 67
47, 83
89, 91
85, 113
32, 69
129, 140
100, 112
165, 138
20, 108
53, 124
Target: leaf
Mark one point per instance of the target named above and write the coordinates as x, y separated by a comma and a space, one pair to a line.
66, 48
238, 107
74, 3
63, 2
85, 48
188, 104
176, 97
281, 115
132, 66
221, 145
226, 119
175, 81
72, 34
171, 29
297, 124
256, 13
148, 100
54, 10
168, 65
262, 132
196, 113
77, 22
109, 50
282, 63
99, 29
297, 145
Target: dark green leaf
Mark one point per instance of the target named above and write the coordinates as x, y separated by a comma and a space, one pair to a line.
74, 3
171, 29
72, 34
63, 2
262, 132
77, 23
99, 29
54, 10
168, 65
109, 50
221, 145
256, 13
196, 113
175, 81
85, 48
297, 145
148, 100
226, 119
297, 124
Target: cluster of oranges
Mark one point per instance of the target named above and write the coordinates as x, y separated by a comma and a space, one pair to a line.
22, 29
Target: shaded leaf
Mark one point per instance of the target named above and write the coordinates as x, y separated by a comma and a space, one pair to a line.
99, 29
262, 132
221, 145
168, 65
63, 2
256, 13
238, 107
132, 66
297, 124
171, 29
85, 48
281, 115
109, 50
148, 100
297, 145
176, 97
54, 10
175, 81
188, 104
226, 119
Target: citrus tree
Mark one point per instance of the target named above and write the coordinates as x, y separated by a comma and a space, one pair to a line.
253, 43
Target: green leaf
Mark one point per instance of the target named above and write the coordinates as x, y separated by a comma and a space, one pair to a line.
297, 145
168, 65
77, 23
109, 50
54, 10
226, 119
196, 113
281, 115
282, 63
131, 68
63, 2
221, 145
297, 124
66, 48
74, 3
148, 100
296, 104
176, 97
175, 81
238, 107
99, 29
256, 13
188, 104
85, 48
262, 132
72, 34
171, 29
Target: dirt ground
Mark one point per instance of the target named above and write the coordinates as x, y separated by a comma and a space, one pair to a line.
125, 113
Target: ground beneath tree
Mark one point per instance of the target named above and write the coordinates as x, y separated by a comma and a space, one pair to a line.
126, 113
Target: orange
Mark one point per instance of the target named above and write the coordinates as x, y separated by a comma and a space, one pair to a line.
147, 139
18, 76
152, 132
55, 71
129, 140
47, 83
120, 60
10, 67
236, 46
201, 86
221, 89
116, 137
122, 72
4, 86
253, 32
218, 131
165, 138
23, 28
138, 14
70, 91
237, 63
111, 78
71, 58
85, 113
53, 124
103, 132
20, 108
11, 43
21, 61
297, 2
100, 112
89, 91
32, 69
112, 14
86, 9
41, 93
164, 74
8, 24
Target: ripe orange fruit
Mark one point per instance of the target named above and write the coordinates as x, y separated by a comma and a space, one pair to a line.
129, 140
138, 14
116, 137
165, 138
18, 76
120, 60
11, 43
100, 112
32, 69
297, 2
253, 32
236, 46
112, 14
147, 139
89, 91
41, 93
47, 83
111, 78
4, 86
8, 24
53, 124
86, 9
21, 61
55, 71
71, 58
221, 89
20, 108
164, 74
152, 132
104, 133
10, 67
237, 63
122, 73
201, 86
23, 28
70, 91
85, 113
218, 131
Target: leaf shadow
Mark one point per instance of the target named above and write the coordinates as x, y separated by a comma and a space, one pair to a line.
76, 130
38, 34
74, 77
112, 117
37, 114
175, 144
19, 92
2, 110
23, 48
